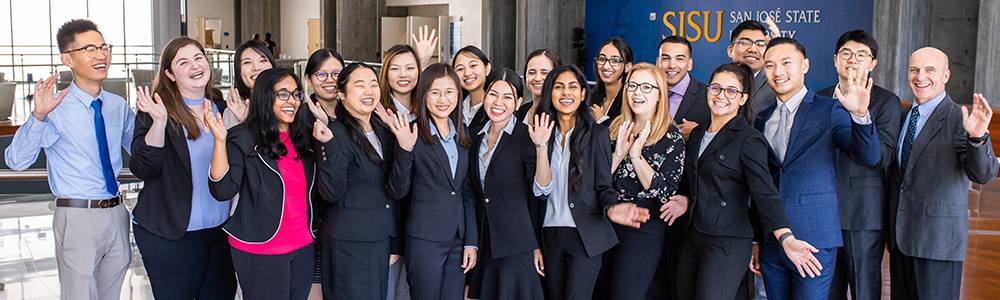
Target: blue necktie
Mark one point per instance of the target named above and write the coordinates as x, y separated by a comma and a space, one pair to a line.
911, 132
110, 184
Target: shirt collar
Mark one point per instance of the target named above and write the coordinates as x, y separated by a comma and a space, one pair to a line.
451, 129
793, 103
82, 96
399, 106
682, 86
927, 108
509, 129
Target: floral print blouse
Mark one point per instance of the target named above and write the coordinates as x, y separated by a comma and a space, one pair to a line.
666, 157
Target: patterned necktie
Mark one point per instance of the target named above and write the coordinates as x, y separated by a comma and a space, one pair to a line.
911, 132
110, 184
781, 133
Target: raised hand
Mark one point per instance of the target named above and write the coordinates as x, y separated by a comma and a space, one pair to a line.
468, 259
675, 207
237, 105
628, 214
772, 28
321, 132
977, 121
597, 111
635, 151
151, 105
686, 126
800, 253
425, 44
541, 131
406, 133
45, 102
539, 262
624, 141
382, 113
318, 112
855, 94
214, 122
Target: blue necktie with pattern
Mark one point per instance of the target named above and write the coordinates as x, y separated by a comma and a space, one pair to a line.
911, 132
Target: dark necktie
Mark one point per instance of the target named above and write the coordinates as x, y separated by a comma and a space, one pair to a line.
110, 184
911, 132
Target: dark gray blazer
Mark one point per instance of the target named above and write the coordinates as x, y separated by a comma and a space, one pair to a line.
761, 95
861, 190
929, 204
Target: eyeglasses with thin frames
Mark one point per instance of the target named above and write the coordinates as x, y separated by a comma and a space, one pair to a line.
730, 92
91, 50
644, 87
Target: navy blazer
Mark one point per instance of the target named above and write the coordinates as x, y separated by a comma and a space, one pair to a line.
437, 209
807, 178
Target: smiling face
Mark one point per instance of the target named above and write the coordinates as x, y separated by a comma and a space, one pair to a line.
928, 73
500, 102
611, 70
785, 68
722, 104
442, 98
326, 88
284, 110
190, 69
537, 69
853, 56
251, 64
361, 93
91, 66
567, 93
403, 73
471, 71
748, 54
646, 94
675, 60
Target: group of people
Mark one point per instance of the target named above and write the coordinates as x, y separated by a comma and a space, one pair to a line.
440, 181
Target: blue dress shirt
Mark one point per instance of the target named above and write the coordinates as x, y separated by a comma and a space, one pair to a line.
925, 113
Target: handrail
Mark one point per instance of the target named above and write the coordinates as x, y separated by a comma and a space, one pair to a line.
42, 174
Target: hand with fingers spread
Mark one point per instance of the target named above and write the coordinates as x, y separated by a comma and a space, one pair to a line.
772, 28
214, 122
855, 93
539, 262
541, 131
624, 140
635, 152
45, 102
239, 106
977, 120
406, 133
597, 111
151, 105
628, 214
675, 207
382, 113
425, 44
318, 111
468, 259
800, 253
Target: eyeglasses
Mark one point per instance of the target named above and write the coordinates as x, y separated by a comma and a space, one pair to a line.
859, 56
614, 60
449, 93
731, 92
91, 50
322, 76
285, 95
746, 43
645, 88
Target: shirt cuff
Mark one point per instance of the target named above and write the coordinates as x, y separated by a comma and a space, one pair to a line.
473, 247
540, 190
865, 120
602, 119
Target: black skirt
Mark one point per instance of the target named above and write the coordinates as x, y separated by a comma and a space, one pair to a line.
512, 277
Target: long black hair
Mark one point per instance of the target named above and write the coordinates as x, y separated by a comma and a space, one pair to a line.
354, 127
261, 49
744, 75
263, 124
318, 57
582, 127
626, 52
427, 78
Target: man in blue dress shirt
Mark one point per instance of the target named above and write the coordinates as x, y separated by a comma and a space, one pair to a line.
82, 130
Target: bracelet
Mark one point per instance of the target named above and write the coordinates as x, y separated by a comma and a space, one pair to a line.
541, 145
785, 236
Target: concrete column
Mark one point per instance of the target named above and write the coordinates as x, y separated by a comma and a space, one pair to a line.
259, 16
953, 26
166, 22
987, 55
358, 26
901, 27
328, 23
547, 24
499, 33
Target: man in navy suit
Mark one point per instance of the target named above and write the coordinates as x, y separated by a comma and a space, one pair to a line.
805, 132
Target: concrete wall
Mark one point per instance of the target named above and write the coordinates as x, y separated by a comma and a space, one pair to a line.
987, 56
295, 27
166, 24
216, 9
259, 16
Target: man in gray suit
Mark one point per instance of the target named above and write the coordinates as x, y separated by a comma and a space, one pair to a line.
746, 46
941, 147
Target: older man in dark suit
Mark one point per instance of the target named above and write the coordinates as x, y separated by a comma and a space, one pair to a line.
942, 146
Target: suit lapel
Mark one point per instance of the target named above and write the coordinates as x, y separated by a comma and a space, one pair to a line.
178, 141
687, 101
504, 140
721, 139
934, 123
441, 159
800, 119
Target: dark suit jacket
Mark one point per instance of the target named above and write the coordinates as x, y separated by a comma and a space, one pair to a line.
437, 209
164, 205
721, 181
694, 105
356, 188
761, 95
929, 203
807, 178
505, 199
589, 203
861, 190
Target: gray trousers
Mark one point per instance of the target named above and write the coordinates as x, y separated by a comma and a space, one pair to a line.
399, 288
92, 251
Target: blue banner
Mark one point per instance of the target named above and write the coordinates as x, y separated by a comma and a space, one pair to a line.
708, 23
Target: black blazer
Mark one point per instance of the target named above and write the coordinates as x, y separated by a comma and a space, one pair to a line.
262, 192
505, 199
588, 203
694, 105
861, 190
479, 119
437, 209
164, 206
356, 189
721, 181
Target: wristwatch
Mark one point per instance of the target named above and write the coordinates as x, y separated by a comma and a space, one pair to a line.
980, 139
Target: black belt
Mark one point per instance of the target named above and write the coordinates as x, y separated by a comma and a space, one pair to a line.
83, 203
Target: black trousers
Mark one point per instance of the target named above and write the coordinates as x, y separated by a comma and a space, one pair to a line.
569, 272
666, 271
859, 265
197, 266
711, 267
284, 276
915, 278
633, 262
434, 269
355, 270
